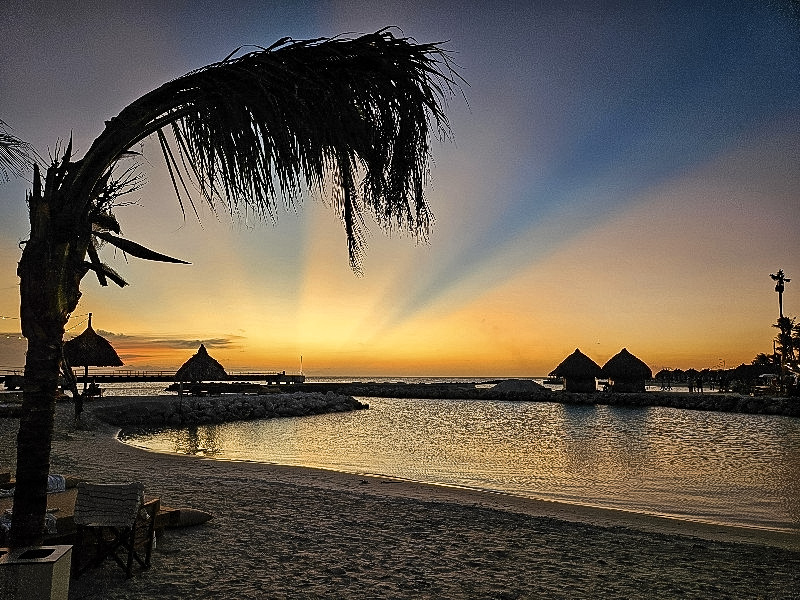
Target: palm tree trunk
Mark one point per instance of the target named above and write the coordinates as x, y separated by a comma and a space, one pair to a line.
34, 441
50, 272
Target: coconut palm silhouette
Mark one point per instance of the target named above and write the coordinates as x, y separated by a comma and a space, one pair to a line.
353, 114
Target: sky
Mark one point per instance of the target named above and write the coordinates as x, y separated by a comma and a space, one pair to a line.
621, 175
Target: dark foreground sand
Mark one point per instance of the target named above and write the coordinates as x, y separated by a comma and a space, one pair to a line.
282, 532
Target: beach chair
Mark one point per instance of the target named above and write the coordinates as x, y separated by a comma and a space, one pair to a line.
113, 521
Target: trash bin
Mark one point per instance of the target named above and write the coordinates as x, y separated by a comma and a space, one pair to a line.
35, 572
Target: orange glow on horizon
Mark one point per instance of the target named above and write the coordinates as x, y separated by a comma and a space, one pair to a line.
598, 202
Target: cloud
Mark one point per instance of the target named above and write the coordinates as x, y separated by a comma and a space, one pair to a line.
131, 348
123, 341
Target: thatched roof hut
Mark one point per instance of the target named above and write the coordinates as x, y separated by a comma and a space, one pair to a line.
201, 367
626, 372
579, 372
90, 349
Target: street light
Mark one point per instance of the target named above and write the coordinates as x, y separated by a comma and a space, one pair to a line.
780, 278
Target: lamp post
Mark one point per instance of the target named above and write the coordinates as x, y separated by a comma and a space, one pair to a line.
780, 280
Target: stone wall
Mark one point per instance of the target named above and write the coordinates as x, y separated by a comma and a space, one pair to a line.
715, 401
176, 411
757, 405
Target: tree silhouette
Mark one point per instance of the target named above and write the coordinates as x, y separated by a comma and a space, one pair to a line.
356, 115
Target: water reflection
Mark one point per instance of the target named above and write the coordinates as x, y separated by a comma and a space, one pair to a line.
787, 468
605, 450
715, 467
197, 441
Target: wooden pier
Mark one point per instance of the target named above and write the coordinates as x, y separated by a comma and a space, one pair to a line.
12, 379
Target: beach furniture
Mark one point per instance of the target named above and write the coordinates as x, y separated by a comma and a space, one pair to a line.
61, 507
113, 521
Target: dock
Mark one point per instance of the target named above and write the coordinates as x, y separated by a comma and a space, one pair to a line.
12, 378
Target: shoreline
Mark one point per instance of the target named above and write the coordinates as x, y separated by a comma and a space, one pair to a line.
151, 413
111, 415
296, 532
506, 501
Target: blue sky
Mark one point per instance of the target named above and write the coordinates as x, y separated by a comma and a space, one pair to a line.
618, 175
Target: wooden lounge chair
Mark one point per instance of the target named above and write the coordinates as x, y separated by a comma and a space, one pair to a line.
113, 521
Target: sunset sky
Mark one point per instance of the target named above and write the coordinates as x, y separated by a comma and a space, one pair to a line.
621, 175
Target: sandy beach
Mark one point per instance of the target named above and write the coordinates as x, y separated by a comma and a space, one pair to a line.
286, 532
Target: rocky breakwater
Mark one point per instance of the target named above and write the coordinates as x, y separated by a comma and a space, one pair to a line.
170, 411
721, 402
522, 390
510, 389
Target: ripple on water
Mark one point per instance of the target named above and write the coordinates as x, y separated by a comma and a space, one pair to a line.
713, 467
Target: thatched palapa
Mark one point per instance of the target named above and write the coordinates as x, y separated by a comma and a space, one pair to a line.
201, 367
579, 372
627, 373
90, 350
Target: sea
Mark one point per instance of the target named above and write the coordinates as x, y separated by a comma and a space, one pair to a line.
710, 467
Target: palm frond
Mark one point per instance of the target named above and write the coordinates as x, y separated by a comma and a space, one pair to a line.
135, 249
102, 271
261, 127
95, 264
16, 156
104, 221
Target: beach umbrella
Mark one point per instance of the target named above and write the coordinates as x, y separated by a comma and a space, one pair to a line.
200, 367
627, 372
90, 349
579, 372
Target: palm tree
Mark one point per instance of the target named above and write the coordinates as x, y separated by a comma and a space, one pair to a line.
354, 116
787, 346
785, 342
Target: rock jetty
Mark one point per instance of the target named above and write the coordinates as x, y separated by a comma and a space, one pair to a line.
511, 389
175, 411
499, 390
319, 398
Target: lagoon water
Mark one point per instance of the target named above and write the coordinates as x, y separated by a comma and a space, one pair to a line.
711, 467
